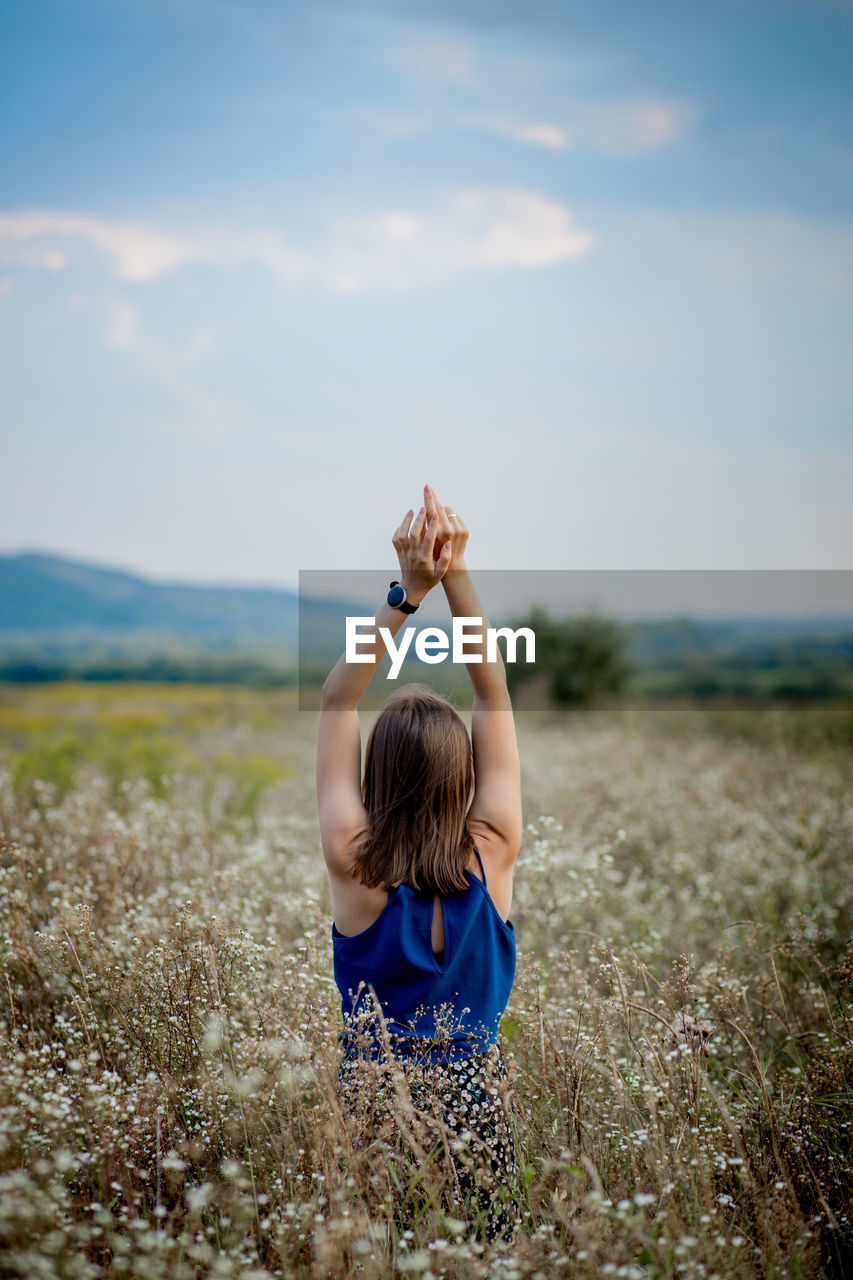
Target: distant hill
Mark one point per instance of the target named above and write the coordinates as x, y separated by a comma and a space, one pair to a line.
42, 593
62, 618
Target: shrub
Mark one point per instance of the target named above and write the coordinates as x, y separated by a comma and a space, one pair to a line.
583, 657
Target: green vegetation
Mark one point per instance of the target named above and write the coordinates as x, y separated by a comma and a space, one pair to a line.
679, 1039
581, 658
190, 668
54, 735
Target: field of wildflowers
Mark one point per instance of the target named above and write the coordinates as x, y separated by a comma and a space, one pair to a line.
680, 1035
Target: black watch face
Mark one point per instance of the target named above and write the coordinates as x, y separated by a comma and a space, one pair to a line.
396, 596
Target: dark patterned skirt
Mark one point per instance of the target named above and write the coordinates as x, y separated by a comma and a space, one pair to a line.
443, 1131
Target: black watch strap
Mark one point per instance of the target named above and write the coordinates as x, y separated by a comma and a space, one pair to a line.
404, 605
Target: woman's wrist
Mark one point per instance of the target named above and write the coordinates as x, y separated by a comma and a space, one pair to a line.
456, 568
416, 592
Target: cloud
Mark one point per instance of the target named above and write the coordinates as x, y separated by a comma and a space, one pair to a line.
533, 134
7, 287
435, 59
465, 230
522, 229
170, 367
616, 127
477, 229
393, 124
629, 125
400, 228
138, 251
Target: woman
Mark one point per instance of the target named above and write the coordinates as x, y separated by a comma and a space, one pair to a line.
421, 888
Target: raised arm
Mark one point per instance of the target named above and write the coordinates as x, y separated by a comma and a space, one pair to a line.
494, 818
343, 820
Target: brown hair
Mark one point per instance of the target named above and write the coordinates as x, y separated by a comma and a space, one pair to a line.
418, 779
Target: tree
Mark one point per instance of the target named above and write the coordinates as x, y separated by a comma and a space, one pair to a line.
582, 657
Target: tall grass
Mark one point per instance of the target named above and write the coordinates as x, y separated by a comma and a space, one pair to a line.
679, 1035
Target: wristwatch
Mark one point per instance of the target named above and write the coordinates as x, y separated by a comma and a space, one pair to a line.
397, 599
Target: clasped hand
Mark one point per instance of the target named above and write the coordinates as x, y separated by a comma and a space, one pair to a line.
427, 544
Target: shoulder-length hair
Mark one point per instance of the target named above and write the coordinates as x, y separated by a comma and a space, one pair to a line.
418, 781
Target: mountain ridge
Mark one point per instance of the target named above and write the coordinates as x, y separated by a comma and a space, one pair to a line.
40, 592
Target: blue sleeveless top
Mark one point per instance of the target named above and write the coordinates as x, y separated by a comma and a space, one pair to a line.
437, 1009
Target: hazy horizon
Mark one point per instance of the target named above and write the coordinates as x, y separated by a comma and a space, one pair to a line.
635, 593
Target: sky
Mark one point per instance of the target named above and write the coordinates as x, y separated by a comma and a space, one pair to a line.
267, 268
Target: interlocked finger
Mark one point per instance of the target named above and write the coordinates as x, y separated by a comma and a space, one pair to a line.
416, 532
401, 533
